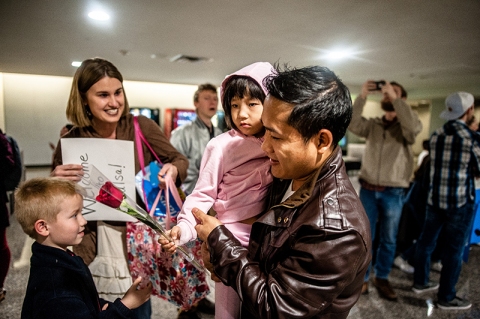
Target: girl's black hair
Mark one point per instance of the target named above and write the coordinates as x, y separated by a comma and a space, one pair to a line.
239, 86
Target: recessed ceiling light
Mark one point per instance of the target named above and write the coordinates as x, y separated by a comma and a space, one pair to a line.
339, 54
76, 63
98, 15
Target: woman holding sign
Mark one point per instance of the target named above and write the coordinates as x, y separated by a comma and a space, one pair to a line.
98, 108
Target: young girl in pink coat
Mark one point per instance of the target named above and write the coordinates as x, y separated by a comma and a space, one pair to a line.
234, 174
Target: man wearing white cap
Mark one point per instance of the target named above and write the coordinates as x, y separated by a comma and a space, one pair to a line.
454, 154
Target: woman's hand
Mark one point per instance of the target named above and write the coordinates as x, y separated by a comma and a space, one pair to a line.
73, 172
167, 169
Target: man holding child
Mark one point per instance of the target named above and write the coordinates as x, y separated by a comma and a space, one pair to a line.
309, 251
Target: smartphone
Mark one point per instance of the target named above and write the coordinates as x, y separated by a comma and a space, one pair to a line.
378, 85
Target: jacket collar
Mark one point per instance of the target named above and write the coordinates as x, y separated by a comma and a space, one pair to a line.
301, 195
305, 191
201, 123
46, 256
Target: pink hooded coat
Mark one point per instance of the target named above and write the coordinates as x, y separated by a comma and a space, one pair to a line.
234, 175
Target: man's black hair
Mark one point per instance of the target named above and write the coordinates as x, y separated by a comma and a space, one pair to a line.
320, 100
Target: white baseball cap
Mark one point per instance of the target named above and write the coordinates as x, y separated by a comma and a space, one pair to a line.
456, 105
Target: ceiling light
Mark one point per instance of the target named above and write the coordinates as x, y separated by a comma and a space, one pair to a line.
99, 15
338, 54
76, 63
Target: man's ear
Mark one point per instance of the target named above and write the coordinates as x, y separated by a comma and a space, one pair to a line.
324, 141
41, 227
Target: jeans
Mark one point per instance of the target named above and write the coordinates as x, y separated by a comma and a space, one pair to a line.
384, 207
144, 311
455, 225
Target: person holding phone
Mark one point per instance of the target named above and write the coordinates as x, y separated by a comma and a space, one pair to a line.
386, 170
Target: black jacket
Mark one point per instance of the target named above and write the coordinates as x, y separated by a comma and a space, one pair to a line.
307, 256
61, 286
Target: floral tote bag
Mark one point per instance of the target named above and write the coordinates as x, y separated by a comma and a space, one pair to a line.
174, 278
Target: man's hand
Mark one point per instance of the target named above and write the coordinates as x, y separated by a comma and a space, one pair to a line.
367, 88
205, 223
206, 261
391, 91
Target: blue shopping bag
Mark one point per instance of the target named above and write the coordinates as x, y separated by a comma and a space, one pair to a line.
155, 199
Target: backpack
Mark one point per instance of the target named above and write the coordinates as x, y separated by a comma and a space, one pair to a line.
14, 176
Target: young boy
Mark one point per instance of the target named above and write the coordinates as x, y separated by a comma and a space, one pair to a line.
60, 284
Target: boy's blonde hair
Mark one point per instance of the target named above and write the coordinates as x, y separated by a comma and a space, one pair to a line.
40, 198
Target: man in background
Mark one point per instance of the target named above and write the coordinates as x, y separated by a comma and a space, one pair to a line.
454, 159
192, 138
386, 170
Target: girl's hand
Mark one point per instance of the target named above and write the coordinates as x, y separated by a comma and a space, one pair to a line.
73, 172
136, 296
167, 169
167, 245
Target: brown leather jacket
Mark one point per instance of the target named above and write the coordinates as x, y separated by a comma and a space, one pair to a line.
307, 256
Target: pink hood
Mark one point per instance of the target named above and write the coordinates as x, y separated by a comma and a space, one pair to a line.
257, 71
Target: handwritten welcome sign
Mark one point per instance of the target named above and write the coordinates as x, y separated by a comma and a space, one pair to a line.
114, 158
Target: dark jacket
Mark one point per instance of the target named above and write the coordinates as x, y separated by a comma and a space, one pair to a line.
7, 163
307, 256
61, 286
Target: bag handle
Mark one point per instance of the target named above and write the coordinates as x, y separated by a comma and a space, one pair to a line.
170, 189
170, 185
141, 159
139, 139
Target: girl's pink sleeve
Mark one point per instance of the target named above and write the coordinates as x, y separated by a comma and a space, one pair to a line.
205, 192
